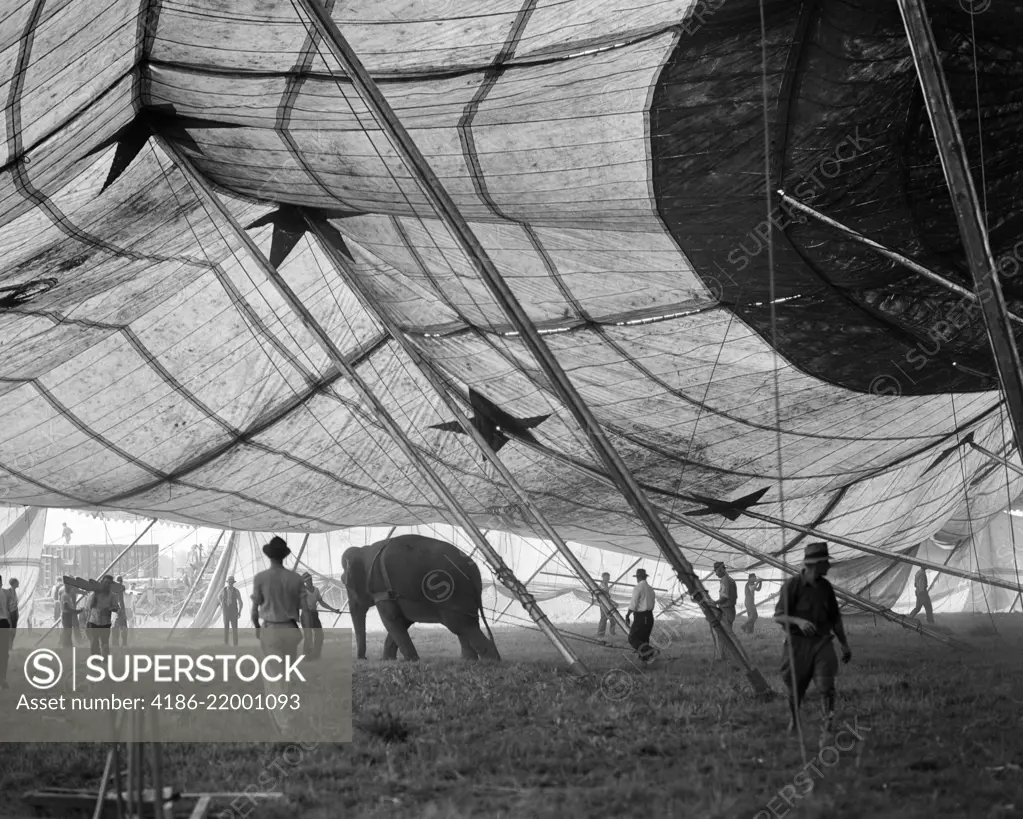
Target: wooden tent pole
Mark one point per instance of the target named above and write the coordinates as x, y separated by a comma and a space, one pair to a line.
448, 212
529, 580
966, 204
894, 255
301, 551
195, 585
994, 457
320, 230
397, 434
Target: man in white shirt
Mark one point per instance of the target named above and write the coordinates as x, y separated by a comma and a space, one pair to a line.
642, 605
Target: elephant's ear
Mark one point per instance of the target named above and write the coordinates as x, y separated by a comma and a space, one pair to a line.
354, 576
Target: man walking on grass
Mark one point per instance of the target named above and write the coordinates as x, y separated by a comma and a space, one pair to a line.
231, 608
923, 598
276, 600
728, 595
642, 606
605, 584
5, 636
807, 610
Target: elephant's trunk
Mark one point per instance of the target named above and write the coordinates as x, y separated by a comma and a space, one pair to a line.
358, 614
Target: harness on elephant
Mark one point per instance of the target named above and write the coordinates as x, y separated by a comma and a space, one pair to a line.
388, 592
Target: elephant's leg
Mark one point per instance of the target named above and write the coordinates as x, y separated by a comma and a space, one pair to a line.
468, 652
397, 625
390, 648
479, 641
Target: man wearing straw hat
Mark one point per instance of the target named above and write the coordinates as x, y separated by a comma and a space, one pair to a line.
642, 605
808, 611
231, 608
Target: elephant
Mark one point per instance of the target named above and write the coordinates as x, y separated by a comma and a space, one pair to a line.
416, 579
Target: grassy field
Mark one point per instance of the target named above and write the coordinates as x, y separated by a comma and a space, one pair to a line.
940, 734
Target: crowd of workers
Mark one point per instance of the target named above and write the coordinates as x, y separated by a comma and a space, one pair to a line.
285, 608
807, 610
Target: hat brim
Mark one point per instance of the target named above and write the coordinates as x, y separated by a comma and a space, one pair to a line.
276, 552
818, 559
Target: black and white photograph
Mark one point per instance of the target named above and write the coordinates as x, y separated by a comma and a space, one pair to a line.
525, 408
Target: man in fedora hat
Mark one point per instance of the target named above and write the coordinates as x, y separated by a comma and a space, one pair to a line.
808, 611
642, 605
753, 585
728, 595
276, 600
231, 608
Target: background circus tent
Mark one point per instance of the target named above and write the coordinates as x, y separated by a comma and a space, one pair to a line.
26, 531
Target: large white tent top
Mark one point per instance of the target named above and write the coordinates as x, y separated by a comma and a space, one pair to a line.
608, 162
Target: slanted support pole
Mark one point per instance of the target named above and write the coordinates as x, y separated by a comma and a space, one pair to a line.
301, 551
895, 256
503, 572
997, 458
195, 585
452, 218
607, 605
972, 230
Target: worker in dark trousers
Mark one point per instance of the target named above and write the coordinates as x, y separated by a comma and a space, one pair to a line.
640, 628
807, 610
6, 632
231, 608
923, 598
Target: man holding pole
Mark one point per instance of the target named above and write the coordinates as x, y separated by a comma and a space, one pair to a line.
807, 610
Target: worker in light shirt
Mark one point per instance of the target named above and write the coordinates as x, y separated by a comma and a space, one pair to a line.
642, 605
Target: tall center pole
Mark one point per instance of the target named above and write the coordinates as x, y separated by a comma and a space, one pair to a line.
969, 215
566, 391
